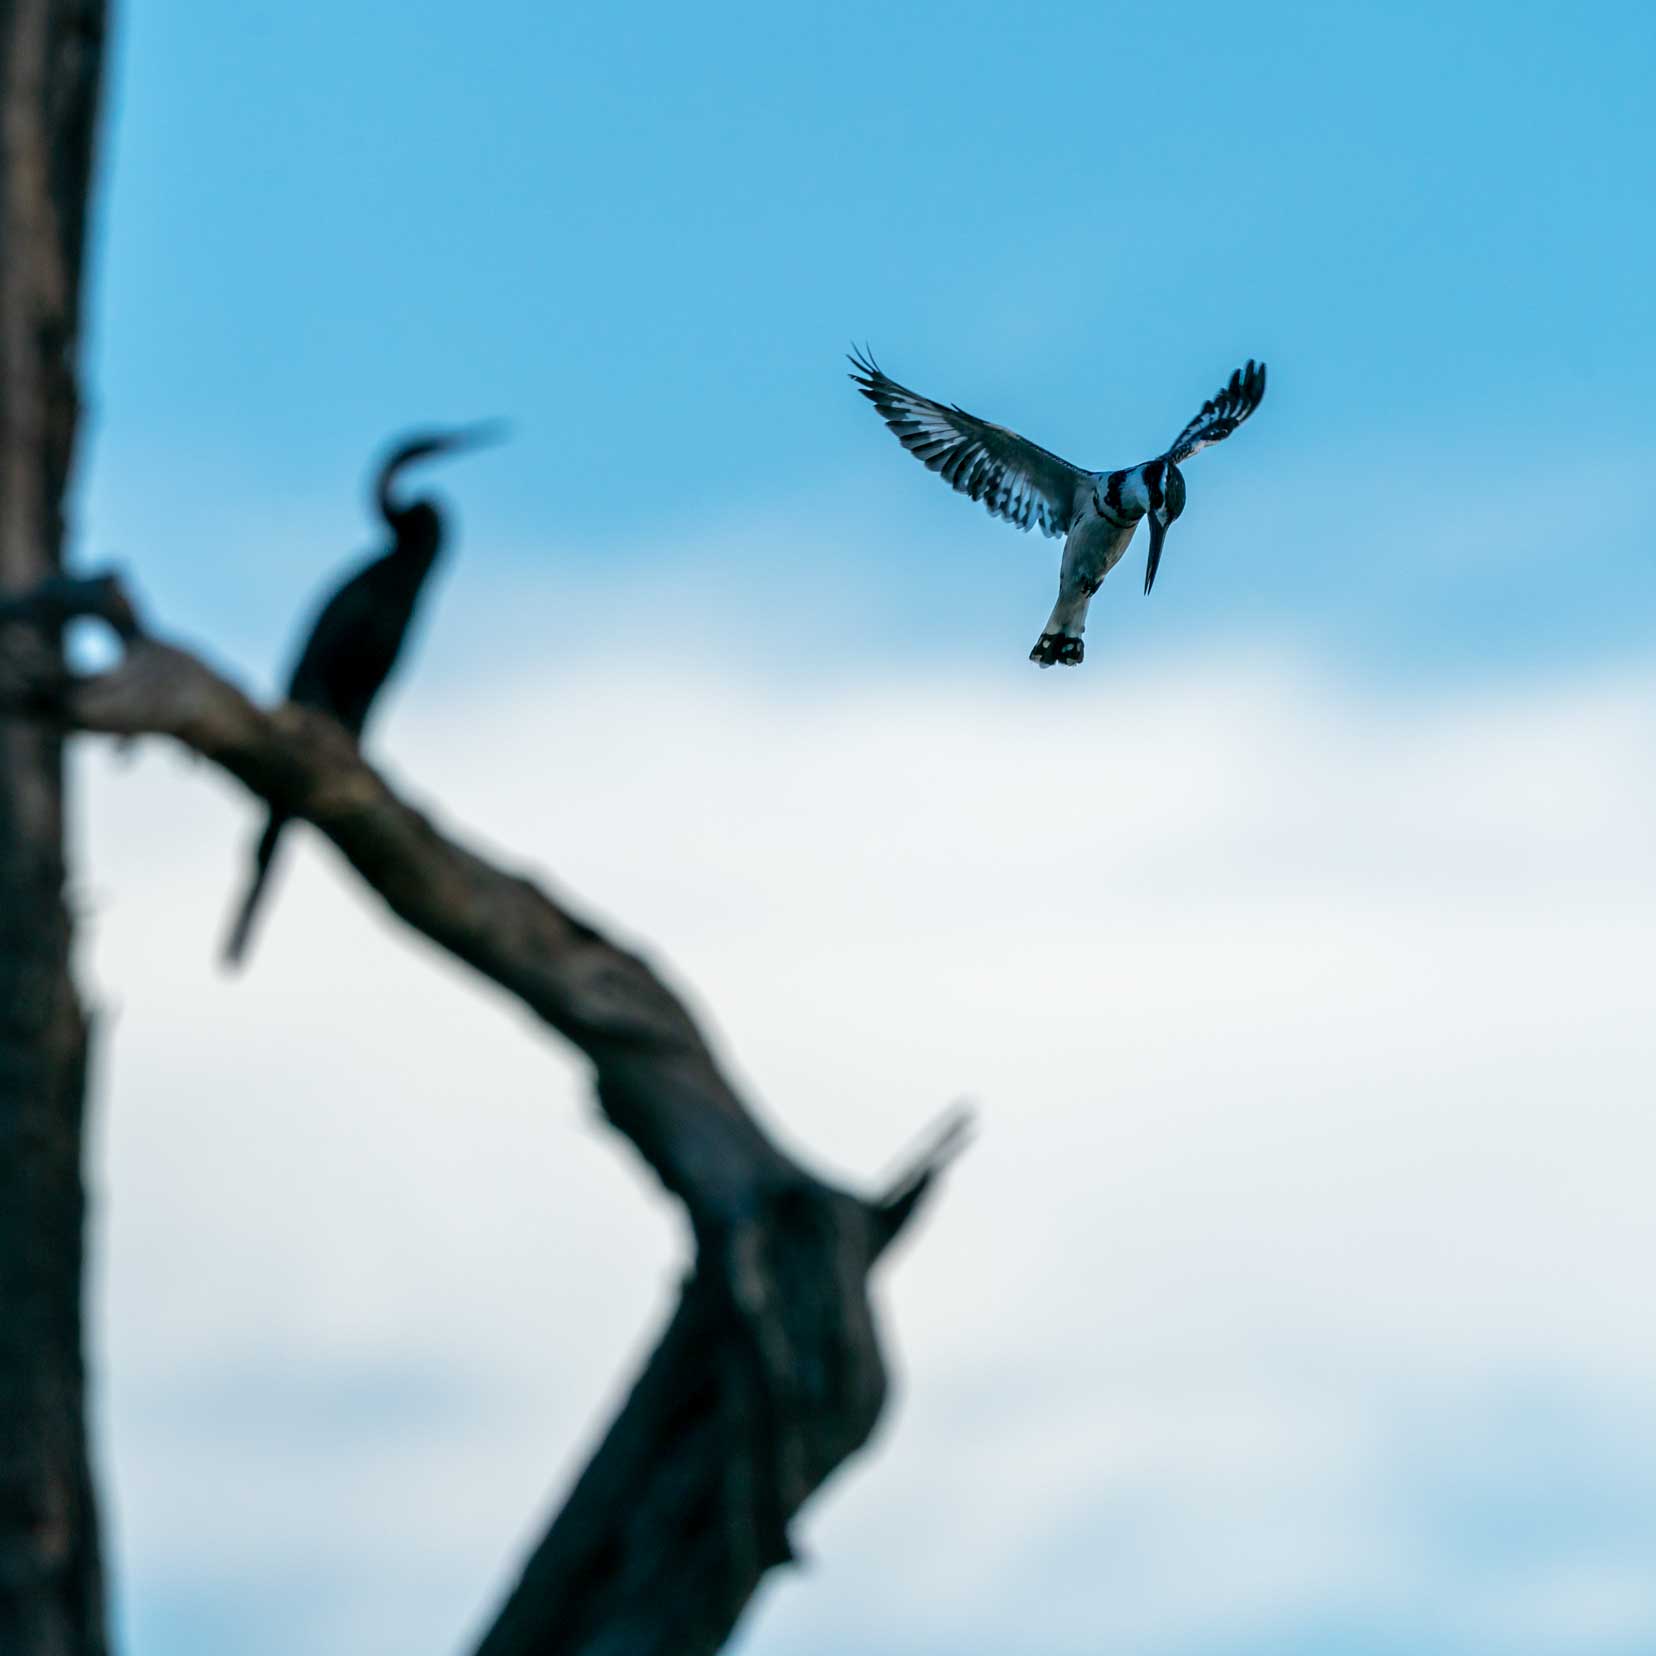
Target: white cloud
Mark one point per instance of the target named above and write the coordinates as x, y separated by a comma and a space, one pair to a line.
1311, 1043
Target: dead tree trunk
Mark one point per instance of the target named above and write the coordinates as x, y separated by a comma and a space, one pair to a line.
769, 1375
51, 55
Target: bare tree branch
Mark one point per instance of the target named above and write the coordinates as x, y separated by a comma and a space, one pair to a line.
770, 1374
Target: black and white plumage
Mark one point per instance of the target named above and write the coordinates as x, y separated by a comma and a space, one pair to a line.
1028, 485
358, 634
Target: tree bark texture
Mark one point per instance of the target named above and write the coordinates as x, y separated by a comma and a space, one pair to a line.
770, 1374
51, 54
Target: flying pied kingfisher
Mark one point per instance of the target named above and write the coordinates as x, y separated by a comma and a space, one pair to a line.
1018, 480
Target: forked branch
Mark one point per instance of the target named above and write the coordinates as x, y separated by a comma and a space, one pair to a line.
769, 1375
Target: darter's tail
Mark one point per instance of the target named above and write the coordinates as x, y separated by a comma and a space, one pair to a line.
236, 945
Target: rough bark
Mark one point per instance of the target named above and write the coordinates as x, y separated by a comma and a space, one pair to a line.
50, 1580
770, 1375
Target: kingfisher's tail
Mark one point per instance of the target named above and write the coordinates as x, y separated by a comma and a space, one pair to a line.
236, 944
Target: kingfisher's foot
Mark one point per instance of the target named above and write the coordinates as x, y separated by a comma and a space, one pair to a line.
1058, 648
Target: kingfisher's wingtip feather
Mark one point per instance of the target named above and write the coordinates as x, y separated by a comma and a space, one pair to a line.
862, 360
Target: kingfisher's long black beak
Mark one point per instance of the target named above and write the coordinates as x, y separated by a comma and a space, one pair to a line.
1158, 533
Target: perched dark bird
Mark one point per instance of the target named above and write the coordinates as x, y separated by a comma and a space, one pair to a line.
356, 638
1016, 479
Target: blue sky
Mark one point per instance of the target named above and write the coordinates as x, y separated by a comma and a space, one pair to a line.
646, 235
1308, 921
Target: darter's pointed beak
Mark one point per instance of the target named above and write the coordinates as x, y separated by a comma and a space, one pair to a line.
1158, 533
483, 434
426, 445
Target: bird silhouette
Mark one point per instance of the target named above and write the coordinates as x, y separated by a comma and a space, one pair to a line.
1095, 511
359, 633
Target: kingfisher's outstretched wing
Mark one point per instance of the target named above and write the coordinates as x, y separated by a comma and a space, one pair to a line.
1016, 479
1222, 414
